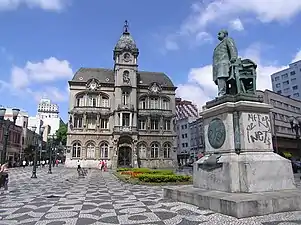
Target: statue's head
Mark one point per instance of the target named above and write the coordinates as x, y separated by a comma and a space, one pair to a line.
222, 34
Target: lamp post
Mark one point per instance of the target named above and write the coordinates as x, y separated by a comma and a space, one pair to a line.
52, 139
34, 168
5, 128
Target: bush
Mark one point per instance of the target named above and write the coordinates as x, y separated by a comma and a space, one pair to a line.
163, 178
142, 170
123, 169
166, 172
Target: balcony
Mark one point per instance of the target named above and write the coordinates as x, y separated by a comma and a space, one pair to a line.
91, 109
125, 107
155, 112
125, 129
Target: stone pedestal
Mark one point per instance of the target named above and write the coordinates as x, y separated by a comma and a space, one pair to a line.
239, 174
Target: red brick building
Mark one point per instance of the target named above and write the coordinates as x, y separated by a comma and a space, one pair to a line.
14, 145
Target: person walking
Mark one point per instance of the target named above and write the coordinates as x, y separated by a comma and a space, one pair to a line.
24, 163
78, 165
4, 178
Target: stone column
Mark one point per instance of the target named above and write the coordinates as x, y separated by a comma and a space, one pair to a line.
97, 153
131, 119
85, 121
97, 121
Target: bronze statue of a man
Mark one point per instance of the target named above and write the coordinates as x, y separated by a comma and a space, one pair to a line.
224, 55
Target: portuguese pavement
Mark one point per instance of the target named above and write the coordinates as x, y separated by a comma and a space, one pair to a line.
99, 198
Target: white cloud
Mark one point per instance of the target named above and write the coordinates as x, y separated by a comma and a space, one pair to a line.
297, 56
200, 87
204, 13
236, 24
50, 5
50, 69
32, 78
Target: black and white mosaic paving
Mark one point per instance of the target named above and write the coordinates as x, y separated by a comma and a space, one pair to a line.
63, 198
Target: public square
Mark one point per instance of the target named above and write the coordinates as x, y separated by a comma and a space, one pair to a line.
100, 198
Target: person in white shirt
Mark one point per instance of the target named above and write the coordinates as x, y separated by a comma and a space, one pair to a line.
24, 163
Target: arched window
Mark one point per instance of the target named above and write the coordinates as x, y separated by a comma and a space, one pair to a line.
154, 150
142, 151
105, 101
104, 150
92, 100
90, 151
166, 150
165, 104
142, 103
76, 149
79, 101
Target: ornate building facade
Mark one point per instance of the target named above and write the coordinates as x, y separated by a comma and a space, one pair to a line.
121, 115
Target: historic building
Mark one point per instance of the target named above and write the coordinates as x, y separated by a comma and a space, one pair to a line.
121, 115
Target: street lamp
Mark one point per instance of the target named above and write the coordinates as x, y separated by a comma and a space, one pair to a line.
52, 139
34, 168
5, 127
41, 143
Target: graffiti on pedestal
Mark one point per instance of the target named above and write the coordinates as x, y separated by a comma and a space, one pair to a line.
259, 128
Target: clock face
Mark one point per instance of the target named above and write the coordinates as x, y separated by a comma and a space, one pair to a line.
127, 57
216, 133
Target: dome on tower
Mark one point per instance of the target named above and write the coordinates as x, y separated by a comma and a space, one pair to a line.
126, 43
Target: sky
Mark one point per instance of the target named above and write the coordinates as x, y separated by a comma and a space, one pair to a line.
44, 42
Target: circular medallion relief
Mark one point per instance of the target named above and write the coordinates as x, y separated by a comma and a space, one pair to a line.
216, 133
80, 78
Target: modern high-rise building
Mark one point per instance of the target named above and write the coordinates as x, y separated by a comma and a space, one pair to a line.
287, 82
48, 112
122, 115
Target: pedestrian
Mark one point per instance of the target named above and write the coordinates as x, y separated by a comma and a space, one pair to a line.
102, 165
43, 163
4, 177
24, 163
105, 166
78, 165
57, 162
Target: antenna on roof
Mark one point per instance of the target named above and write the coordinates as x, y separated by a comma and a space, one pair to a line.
126, 27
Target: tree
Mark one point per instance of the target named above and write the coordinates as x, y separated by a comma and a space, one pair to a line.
61, 134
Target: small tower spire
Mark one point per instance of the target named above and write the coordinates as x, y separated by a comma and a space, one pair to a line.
126, 27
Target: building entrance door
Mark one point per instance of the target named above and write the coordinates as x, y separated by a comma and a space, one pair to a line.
125, 156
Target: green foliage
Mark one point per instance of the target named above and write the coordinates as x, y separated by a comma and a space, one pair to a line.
123, 169
163, 178
61, 134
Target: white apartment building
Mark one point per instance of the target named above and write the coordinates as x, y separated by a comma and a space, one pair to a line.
48, 112
287, 82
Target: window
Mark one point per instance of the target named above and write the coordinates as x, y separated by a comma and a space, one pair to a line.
104, 123
92, 101
286, 90
91, 122
104, 150
293, 73
142, 124
278, 85
78, 122
105, 102
295, 87
80, 101
76, 149
276, 78
142, 103
293, 79
154, 150
165, 104
166, 150
154, 124
286, 82
90, 151
125, 119
142, 151
125, 97
154, 103
166, 125
279, 92
284, 76
296, 94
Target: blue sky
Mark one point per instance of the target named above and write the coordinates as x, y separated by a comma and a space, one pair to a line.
44, 42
